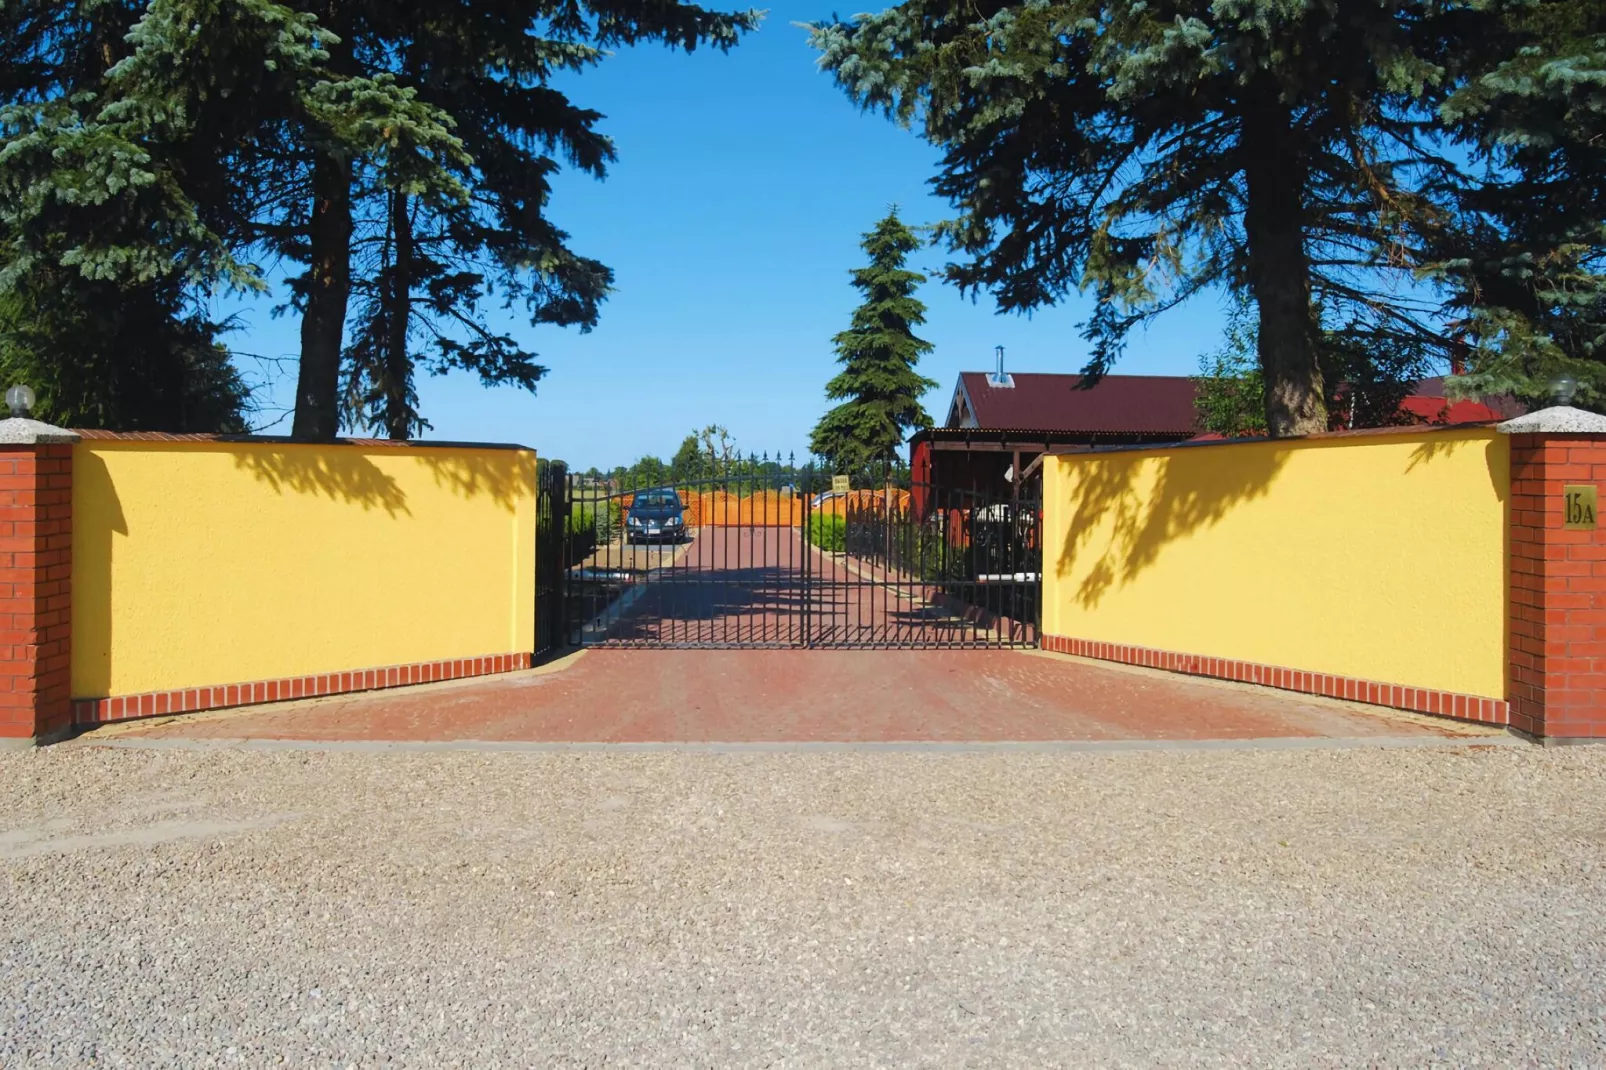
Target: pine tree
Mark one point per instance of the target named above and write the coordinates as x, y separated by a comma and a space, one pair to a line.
1148, 152
1529, 256
127, 135
118, 356
423, 260
402, 154
878, 385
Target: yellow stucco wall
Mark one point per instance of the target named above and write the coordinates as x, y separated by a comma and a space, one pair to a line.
1376, 556
201, 563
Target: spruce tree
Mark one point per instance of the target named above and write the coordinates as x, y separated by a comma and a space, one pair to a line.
1528, 256
402, 154
1148, 152
119, 356
878, 385
149, 153
127, 132
425, 259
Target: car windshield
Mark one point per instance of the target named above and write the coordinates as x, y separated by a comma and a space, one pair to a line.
657, 499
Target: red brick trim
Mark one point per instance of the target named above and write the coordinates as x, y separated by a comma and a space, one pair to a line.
35, 590
92, 711
1415, 699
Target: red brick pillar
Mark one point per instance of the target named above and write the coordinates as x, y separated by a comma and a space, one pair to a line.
1556, 660
35, 581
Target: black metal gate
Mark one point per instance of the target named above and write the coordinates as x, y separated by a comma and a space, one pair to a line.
551, 523
761, 553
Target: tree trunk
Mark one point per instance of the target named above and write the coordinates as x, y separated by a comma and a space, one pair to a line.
323, 323
1279, 272
398, 316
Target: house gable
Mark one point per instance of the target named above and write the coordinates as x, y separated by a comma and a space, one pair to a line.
961, 411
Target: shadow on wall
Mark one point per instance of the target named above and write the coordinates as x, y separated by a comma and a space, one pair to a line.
93, 539
1443, 446
1111, 497
348, 473
504, 475
342, 473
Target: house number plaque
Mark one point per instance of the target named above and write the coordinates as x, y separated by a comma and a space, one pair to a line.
1580, 508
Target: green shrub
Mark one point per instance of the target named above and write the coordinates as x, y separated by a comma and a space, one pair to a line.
828, 531
592, 524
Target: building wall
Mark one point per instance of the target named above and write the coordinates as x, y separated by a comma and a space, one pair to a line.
203, 562
1376, 557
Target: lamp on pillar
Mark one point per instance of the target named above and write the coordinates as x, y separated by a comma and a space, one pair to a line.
1562, 388
20, 400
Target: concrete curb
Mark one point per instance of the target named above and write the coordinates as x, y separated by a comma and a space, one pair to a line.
1100, 746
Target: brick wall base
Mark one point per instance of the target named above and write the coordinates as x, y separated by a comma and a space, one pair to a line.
94, 711
1415, 699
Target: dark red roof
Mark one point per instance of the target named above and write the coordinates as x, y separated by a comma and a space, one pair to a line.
1131, 404
1493, 407
1439, 411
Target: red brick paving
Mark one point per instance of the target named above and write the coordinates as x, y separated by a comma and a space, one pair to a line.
803, 696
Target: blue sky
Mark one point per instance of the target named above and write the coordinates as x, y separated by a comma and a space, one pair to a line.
731, 220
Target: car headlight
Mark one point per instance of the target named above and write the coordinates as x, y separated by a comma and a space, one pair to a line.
673, 522
635, 521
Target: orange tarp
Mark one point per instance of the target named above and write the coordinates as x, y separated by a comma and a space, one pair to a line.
864, 501
723, 509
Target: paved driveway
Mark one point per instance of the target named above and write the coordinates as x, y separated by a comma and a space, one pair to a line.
1431, 906
766, 587
795, 696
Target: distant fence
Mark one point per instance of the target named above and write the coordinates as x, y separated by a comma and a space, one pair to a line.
776, 508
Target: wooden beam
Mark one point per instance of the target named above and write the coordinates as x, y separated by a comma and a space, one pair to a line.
1057, 451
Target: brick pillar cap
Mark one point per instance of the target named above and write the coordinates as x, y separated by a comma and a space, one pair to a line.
1557, 420
21, 432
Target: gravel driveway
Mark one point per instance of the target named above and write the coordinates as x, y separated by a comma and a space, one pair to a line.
1439, 905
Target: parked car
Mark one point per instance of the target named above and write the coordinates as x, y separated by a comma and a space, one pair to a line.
655, 516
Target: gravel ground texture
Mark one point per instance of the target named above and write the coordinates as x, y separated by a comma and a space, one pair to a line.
1433, 906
